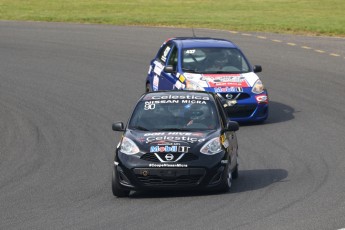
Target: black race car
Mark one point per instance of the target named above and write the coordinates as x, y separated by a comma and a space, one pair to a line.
176, 140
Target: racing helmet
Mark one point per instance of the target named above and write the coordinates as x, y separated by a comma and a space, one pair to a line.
221, 59
198, 112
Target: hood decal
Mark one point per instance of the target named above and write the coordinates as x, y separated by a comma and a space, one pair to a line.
225, 80
233, 81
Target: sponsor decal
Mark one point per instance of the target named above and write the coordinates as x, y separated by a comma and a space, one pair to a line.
174, 133
161, 102
165, 99
168, 165
262, 98
182, 78
193, 102
179, 85
224, 161
222, 138
227, 80
182, 97
166, 51
167, 149
228, 89
155, 83
172, 136
190, 51
158, 68
149, 103
224, 141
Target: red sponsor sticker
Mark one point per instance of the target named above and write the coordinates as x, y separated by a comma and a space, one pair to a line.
226, 80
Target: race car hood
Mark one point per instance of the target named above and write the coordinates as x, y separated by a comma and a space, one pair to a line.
170, 141
219, 81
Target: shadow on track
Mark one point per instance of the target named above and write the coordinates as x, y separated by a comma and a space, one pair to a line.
280, 112
249, 180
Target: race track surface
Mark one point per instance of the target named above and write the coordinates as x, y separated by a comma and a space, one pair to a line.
63, 85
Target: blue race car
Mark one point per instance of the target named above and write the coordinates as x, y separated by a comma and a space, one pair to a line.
213, 65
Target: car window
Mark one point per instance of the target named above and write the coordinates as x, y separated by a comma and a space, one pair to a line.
177, 114
214, 60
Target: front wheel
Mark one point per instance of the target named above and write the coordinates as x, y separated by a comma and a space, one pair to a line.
117, 190
225, 184
148, 88
234, 173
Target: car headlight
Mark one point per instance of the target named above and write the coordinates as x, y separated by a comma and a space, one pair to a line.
190, 85
128, 146
212, 147
258, 87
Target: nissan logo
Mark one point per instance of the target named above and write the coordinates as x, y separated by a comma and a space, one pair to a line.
169, 157
229, 96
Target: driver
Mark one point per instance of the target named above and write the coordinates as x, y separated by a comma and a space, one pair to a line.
220, 61
199, 114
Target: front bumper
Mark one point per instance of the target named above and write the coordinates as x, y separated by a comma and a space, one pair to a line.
248, 112
245, 107
198, 174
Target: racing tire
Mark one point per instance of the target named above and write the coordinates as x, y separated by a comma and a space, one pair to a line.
148, 88
116, 187
225, 183
234, 173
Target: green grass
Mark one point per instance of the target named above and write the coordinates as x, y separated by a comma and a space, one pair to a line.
317, 17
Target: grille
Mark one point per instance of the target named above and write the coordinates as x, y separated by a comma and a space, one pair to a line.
189, 157
240, 110
182, 180
237, 96
152, 157
149, 157
170, 177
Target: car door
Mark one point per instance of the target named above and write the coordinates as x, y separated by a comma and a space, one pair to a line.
167, 57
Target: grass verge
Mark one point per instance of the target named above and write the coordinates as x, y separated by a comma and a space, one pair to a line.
317, 17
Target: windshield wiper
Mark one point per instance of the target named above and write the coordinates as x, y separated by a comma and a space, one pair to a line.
229, 72
139, 128
190, 70
174, 129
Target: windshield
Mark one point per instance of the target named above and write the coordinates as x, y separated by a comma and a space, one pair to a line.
214, 60
174, 115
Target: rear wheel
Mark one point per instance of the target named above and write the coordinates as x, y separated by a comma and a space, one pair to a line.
117, 190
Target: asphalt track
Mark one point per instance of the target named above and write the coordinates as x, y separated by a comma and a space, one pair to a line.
63, 85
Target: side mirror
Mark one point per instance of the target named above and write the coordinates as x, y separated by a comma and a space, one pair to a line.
118, 126
232, 126
169, 69
257, 68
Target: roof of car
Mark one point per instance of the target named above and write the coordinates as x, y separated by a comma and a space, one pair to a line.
193, 42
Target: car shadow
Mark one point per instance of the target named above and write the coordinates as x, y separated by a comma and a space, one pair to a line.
255, 179
278, 112
248, 180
